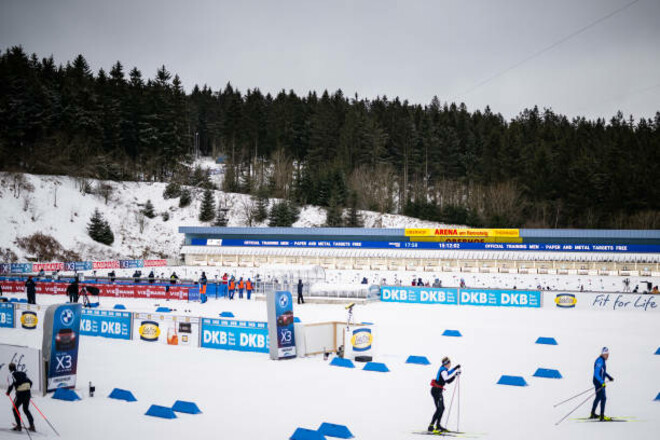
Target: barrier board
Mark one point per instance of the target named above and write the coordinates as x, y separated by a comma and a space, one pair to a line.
227, 334
164, 328
106, 323
611, 302
27, 359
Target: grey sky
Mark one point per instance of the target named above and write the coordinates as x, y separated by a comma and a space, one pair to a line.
411, 49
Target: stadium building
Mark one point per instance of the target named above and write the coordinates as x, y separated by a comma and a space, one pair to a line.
553, 251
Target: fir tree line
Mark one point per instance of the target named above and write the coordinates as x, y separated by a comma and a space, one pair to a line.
438, 161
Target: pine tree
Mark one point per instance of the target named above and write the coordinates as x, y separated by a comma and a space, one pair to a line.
99, 229
353, 218
148, 210
172, 190
185, 199
333, 214
283, 214
261, 206
207, 210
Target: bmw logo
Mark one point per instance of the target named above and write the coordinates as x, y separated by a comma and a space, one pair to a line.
66, 317
284, 300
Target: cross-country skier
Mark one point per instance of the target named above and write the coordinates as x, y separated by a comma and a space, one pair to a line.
22, 384
445, 375
600, 374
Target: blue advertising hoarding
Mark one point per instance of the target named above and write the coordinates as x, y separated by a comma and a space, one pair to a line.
72, 266
61, 337
21, 267
228, 334
500, 298
544, 247
281, 324
7, 315
421, 295
106, 323
131, 264
470, 297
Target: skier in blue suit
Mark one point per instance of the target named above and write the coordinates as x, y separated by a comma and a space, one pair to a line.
600, 374
445, 375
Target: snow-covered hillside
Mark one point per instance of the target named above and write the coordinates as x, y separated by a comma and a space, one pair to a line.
56, 206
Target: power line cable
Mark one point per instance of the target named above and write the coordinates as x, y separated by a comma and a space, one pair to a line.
545, 49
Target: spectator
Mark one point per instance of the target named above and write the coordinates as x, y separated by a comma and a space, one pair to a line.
202, 283
112, 276
31, 289
56, 275
173, 278
241, 287
655, 290
301, 300
414, 282
223, 285
151, 277
72, 291
364, 280
42, 274
248, 288
462, 284
136, 276
232, 287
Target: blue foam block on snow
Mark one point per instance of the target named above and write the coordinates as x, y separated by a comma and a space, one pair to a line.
65, 394
226, 315
186, 407
120, 394
23, 300
163, 310
93, 305
657, 351
376, 366
420, 360
306, 434
296, 319
516, 381
119, 307
160, 411
13, 300
657, 398
340, 362
548, 373
546, 341
454, 333
332, 430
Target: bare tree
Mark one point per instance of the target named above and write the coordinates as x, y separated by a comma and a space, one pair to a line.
248, 210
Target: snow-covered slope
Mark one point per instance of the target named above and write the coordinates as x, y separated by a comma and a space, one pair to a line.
56, 206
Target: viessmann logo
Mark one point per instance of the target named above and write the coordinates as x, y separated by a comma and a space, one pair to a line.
362, 339
149, 331
29, 320
565, 300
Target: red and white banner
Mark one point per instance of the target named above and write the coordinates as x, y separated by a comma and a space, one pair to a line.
105, 264
36, 267
155, 263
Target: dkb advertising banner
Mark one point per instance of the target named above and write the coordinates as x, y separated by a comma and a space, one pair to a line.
26, 359
106, 323
422, 295
60, 345
228, 334
500, 298
279, 307
7, 315
167, 329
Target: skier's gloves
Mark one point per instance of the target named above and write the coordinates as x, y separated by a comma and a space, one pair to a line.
458, 367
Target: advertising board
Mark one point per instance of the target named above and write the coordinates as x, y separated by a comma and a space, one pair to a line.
167, 329
229, 334
106, 323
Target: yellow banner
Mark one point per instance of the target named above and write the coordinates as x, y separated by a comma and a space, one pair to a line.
469, 239
461, 232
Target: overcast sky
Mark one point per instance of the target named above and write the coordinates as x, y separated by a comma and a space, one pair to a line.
411, 49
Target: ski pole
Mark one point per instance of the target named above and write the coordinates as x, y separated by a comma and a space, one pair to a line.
458, 421
571, 398
451, 403
574, 409
42, 415
19, 416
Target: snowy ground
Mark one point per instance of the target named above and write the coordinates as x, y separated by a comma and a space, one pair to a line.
248, 396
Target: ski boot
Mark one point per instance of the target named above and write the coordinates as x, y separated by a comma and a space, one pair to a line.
439, 428
594, 416
16, 428
431, 428
32, 428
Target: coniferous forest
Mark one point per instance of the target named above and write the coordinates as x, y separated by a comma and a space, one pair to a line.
438, 161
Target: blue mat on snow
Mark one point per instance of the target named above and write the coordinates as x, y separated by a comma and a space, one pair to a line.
376, 366
160, 411
454, 333
186, 407
65, 394
548, 373
120, 394
546, 341
226, 315
306, 434
340, 362
516, 381
332, 430
163, 310
420, 360
119, 307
